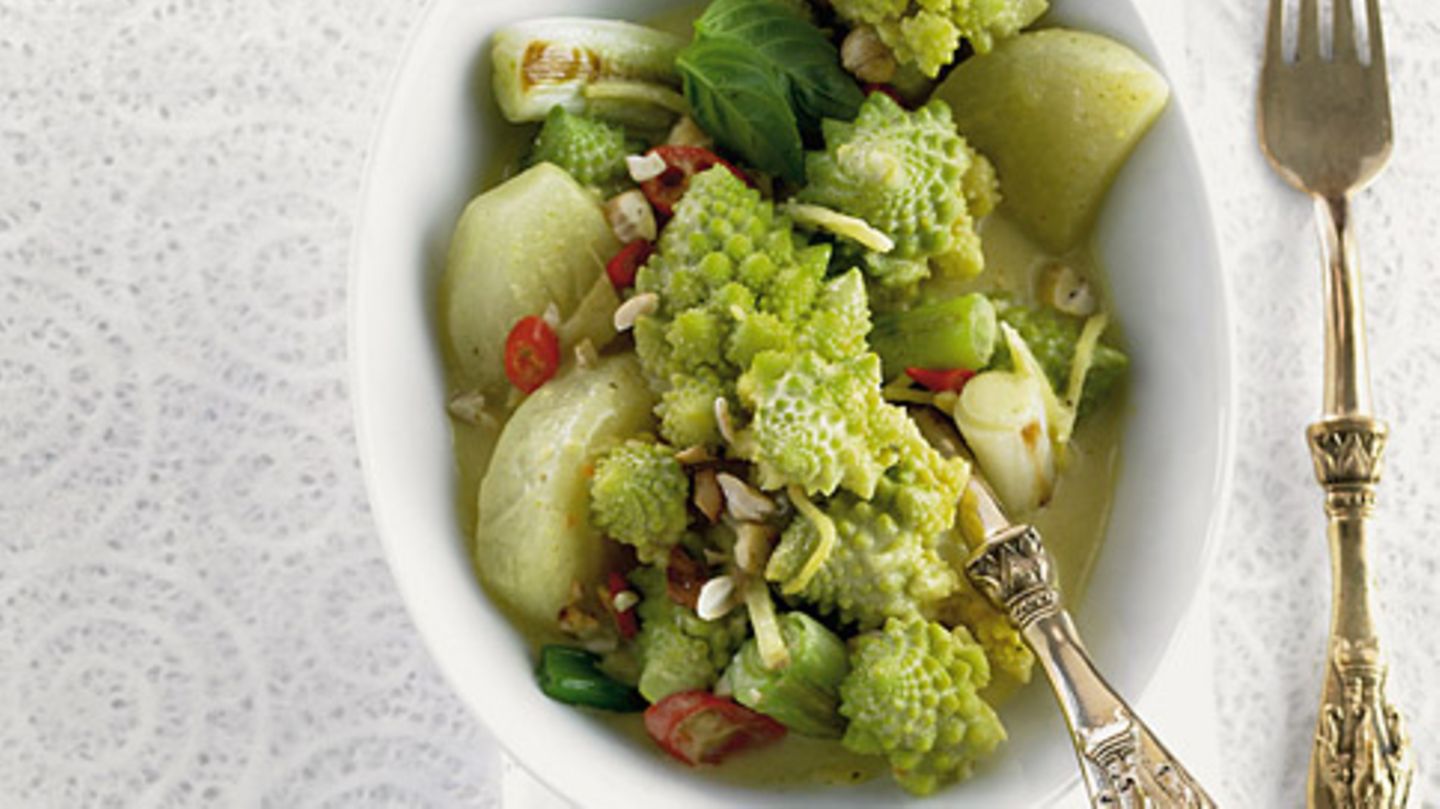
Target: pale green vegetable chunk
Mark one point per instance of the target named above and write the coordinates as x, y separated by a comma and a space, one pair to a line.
537, 239
608, 68
534, 537
1058, 112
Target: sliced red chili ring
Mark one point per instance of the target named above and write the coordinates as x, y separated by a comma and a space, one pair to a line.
532, 353
698, 727
623, 266
941, 380
681, 163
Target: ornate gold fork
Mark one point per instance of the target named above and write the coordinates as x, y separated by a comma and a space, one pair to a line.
1325, 125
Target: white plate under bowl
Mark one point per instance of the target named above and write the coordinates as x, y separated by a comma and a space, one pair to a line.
1156, 240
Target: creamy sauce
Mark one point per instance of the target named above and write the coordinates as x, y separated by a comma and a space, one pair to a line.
1073, 522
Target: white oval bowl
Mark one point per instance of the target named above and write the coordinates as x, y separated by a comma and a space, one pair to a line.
1155, 238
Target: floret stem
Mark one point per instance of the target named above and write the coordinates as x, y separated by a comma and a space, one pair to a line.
824, 527
955, 333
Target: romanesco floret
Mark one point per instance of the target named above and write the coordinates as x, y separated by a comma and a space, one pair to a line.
912, 176
887, 560
592, 151
926, 33
734, 281
819, 425
911, 696
638, 496
1003, 645
1052, 336
678, 651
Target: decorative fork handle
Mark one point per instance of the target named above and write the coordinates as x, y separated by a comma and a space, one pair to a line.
1361, 758
1124, 765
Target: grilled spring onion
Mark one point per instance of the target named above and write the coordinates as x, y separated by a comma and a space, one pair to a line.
611, 69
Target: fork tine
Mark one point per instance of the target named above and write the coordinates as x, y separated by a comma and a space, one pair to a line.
1275, 34
1309, 33
1377, 35
1345, 49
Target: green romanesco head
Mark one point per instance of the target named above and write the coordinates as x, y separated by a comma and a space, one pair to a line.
733, 281
886, 561
817, 424
592, 151
678, 651
926, 33
912, 696
912, 176
638, 496
1003, 645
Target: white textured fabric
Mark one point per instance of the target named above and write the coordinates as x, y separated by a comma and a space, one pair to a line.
193, 606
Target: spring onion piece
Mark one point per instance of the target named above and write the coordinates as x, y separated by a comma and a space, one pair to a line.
1080, 368
854, 228
573, 676
769, 641
1003, 417
804, 696
1061, 419
540, 64
955, 333
824, 528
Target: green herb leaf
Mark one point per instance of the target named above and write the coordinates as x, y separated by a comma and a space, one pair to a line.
819, 86
744, 103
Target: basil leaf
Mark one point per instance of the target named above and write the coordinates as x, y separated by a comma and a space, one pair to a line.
744, 103
819, 86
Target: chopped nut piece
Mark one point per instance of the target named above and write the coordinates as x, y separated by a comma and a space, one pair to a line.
1063, 288
635, 308
867, 57
688, 133
624, 600
707, 496
691, 456
743, 501
585, 354
631, 217
644, 167
722, 419
469, 407
717, 598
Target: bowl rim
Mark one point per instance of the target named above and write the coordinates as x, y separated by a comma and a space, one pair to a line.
411, 590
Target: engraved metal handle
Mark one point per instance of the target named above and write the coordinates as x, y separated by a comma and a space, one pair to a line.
1124, 764
1361, 756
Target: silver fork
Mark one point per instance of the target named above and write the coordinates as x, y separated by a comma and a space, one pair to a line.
1325, 125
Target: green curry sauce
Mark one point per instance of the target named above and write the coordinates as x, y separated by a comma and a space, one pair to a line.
1073, 522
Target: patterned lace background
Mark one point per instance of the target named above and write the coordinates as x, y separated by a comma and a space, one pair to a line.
193, 608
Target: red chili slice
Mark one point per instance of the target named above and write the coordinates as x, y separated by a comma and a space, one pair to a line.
681, 163
698, 727
532, 353
683, 578
627, 262
625, 620
948, 379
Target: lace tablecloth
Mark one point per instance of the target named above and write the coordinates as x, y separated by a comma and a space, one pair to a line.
193, 606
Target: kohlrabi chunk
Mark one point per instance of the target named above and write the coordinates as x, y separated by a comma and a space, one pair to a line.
535, 240
1058, 112
534, 538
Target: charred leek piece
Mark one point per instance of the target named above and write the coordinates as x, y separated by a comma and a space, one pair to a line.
1003, 417
611, 69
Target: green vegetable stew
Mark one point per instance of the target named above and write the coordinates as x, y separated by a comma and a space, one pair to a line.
686, 330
